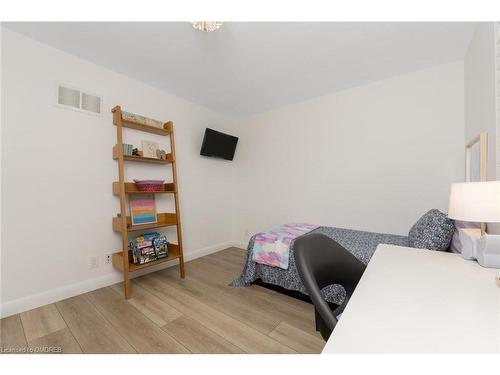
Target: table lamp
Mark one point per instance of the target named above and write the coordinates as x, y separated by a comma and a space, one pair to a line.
479, 202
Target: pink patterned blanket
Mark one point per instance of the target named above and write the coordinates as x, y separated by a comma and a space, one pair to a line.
273, 247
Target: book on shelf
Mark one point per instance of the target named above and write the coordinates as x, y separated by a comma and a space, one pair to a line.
160, 245
127, 149
148, 247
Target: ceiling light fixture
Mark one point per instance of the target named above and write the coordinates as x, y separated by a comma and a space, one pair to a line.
207, 26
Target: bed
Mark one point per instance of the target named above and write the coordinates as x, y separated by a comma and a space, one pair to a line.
433, 231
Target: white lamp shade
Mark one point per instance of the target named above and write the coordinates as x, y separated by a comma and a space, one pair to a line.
475, 201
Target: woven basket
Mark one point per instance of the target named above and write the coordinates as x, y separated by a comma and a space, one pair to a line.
149, 185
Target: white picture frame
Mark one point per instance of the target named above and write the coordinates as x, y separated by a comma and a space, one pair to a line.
476, 159
149, 149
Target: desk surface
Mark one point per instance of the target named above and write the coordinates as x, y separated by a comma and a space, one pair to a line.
420, 301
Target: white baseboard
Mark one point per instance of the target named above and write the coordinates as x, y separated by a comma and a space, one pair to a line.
54, 295
239, 245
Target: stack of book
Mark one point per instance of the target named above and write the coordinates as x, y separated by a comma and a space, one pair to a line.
148, 247
127, 149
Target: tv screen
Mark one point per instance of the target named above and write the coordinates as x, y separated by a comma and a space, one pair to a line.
218, 144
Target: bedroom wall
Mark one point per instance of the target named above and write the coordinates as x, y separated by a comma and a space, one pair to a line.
497, 89
373, 158
480, 106
57, 172
1, 181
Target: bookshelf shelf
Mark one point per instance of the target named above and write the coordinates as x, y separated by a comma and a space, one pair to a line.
173, 253
170, 158
131, 188
163, 220
166, 130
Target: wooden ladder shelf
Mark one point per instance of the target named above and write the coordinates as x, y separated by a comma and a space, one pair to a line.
122, 189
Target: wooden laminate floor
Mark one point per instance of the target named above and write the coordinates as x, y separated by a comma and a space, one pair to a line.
200, 314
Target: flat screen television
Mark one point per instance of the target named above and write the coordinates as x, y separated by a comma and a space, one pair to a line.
218, 144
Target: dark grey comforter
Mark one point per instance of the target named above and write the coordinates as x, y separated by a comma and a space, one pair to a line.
361, 244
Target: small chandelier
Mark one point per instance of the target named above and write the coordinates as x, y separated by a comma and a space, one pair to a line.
206, 26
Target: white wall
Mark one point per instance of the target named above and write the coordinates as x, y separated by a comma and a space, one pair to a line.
57, 172
479, 73
1, 183
497, 88
373, 158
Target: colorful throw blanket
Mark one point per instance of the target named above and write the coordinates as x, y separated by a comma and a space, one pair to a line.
273, 247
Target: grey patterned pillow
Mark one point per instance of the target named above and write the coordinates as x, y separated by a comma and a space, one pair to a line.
432, 231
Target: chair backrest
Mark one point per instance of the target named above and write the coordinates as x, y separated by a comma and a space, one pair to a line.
321, 262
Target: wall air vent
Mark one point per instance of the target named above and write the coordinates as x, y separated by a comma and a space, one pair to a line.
77, 99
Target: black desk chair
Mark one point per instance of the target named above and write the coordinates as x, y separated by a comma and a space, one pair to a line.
321, 262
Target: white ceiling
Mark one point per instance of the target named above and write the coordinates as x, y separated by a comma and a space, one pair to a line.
249, 67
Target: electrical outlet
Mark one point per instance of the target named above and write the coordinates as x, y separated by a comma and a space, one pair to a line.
94, 262
108, 258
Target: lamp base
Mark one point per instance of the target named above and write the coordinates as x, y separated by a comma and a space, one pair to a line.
469, 238
488, 251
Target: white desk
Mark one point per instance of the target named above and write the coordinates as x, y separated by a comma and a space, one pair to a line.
420, 301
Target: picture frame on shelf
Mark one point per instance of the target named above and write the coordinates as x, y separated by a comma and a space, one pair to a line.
149, 149
142, 209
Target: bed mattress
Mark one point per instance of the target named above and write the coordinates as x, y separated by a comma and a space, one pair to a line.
361, 244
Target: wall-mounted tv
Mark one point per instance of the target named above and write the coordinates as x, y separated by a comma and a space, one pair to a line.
218, 144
